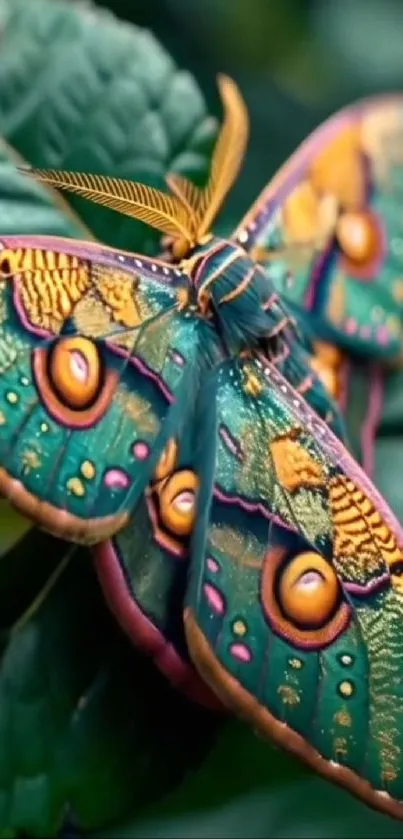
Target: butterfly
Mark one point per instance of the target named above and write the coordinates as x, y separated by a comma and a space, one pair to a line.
167, 412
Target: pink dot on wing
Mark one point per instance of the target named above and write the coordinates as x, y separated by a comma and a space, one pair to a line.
241, 652
141, 450
215, 598
116, 479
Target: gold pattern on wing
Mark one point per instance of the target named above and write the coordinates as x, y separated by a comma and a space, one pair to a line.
343, 718
336, 305
340, 748
289, 695
360, 534
380, 630
92, 318
381, 135
118, 292
295, 467
308, 507
327, 362
309, 219
139, 410
241, 548
338, 170
49, 283
156, 341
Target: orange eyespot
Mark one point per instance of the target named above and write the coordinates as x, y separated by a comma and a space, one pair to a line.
177, 502
358, 236
308, 590
75, 371
302, 598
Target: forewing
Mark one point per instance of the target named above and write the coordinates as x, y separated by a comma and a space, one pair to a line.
97, 369
330, 226
294, 607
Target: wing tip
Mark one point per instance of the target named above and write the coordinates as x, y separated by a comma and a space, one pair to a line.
246, 706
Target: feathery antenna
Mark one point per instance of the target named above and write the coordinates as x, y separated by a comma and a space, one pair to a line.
187, 214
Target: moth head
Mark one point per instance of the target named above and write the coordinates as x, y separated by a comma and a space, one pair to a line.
186, 214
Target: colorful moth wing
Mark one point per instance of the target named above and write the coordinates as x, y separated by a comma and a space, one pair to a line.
295, 601
95, 359
143, 569
306, 377
328, 227
363, 406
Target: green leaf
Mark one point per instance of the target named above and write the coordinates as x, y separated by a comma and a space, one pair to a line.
307, 808
81, 90
88, 727
29, 207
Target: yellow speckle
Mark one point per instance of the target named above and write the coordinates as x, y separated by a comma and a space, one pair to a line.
183, 298
44, 427
76, 486
346, 688
343, 718
3, 420
296, 663
87, 470
30, 460
12, 397
288, 695
340, 747
252, 386
239, 628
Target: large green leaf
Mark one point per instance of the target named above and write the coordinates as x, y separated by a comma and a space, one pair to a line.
307, 808
81, 90
89, 729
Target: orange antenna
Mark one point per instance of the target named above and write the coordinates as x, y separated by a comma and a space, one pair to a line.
187, 215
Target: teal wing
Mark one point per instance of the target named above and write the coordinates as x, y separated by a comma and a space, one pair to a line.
98, 364
328, 227
143, 569
296, 361
295, 601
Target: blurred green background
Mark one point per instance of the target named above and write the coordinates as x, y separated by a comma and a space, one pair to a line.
89, 734
296, 61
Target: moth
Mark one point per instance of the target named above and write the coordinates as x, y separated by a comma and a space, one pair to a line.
167, 412
328, 227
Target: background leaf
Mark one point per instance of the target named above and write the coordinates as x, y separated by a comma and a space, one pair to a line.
89, 728
83, 91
